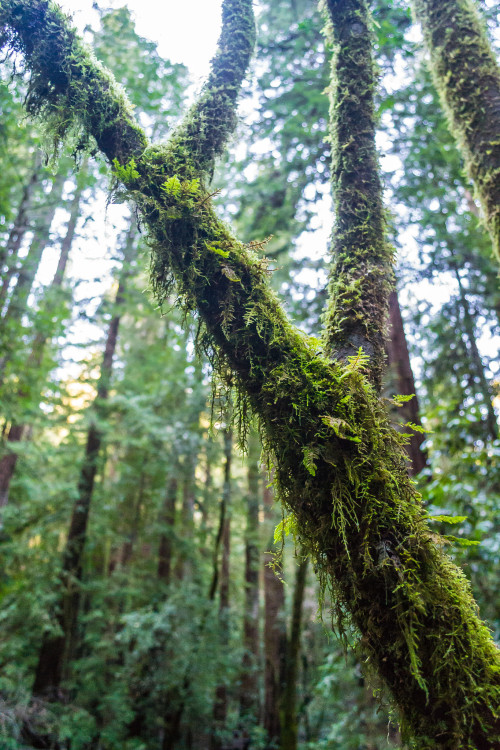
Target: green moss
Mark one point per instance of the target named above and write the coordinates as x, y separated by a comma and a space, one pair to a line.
467, 77
361, 275
339, 466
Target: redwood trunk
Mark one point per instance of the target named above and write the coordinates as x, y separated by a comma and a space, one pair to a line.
399, 361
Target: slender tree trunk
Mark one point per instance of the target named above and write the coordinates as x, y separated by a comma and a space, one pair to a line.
16, 432
274, 636
9, 252
175, 704
183, 566
289, 718
362, 275
168, 522
31, 263
221, 694
55, 649
129, 543
249, 695
399, 362
477, 362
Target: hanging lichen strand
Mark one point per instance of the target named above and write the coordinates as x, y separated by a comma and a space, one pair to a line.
361, 275
467, 76
340, 468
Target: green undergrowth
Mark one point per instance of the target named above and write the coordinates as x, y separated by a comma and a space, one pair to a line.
339, 466
467, 77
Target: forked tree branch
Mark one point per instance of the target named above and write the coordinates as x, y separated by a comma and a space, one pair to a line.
340, 467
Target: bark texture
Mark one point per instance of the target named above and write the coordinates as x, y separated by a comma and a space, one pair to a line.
399, 360
467, 77
340, 467
362, 274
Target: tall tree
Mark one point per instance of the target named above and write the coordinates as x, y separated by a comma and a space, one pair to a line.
467, 76
249, 696
414, 611
55, 649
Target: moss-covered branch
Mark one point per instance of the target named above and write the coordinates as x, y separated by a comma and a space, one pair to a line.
340, 468
467, 76
361, 275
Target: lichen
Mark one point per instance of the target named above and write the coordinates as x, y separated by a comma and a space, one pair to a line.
339, 465
467, 77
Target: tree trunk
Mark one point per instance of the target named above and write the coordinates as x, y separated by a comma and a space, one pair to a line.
399, 361
16, 432
183, 566
361, 276
467, 77
30, 264
289, 719
168, 522
221, 694
274, 635
249, 695
55, 649
9, 253
477, 363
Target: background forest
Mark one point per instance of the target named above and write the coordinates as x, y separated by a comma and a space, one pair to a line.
151, 594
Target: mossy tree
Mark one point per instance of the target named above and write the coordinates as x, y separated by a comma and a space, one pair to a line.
467, 76
339, 466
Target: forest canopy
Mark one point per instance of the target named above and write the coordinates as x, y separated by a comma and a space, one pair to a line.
182, 449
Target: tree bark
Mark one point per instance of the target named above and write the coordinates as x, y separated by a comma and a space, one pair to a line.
168, 522
274, 635
9, 253
31, 263
221, 693
55, 649
361, 276
467, 77
289, 718
399, 362
477, 362
249, 696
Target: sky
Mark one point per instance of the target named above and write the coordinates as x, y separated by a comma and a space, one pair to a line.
186, 31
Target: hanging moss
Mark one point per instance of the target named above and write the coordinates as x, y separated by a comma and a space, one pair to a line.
361, 276
340, 467
467, 77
